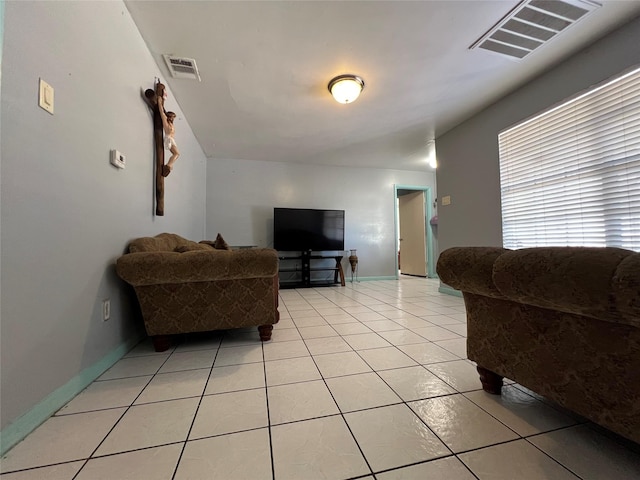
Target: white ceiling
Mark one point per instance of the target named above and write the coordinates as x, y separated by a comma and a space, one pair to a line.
265, 66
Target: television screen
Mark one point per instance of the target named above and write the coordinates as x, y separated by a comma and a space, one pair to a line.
301, 229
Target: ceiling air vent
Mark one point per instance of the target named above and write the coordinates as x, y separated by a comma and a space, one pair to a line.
531, 24
181, 67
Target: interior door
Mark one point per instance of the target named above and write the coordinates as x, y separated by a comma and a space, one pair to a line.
413, 242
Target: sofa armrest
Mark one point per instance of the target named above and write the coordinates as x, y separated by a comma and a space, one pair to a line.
469, 269
153, 268
568, 279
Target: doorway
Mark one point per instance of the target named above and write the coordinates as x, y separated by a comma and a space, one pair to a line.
414, 237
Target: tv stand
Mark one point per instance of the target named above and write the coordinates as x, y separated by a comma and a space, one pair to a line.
304, 264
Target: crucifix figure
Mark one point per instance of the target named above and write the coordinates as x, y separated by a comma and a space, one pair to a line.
169, 131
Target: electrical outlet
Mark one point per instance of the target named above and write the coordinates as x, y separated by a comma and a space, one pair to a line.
106, 310
117, 159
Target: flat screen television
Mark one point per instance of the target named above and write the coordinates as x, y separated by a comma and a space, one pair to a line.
303, 229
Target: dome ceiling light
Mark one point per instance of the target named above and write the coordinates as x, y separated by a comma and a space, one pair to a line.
346, 88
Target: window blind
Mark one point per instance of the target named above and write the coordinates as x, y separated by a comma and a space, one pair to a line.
571, 175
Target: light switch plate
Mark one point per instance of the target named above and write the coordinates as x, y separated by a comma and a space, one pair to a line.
446, 200
45, 97
118, 159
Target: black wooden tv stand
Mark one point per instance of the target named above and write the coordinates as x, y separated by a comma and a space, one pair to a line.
306, 262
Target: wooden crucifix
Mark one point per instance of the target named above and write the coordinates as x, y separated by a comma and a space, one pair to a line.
163, 131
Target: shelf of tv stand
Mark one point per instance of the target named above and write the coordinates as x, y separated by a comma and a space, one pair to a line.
306, 258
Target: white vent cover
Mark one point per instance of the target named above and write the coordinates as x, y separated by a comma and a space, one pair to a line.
181, 67
531, 24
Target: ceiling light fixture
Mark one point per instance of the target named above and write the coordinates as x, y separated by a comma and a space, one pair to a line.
346, 88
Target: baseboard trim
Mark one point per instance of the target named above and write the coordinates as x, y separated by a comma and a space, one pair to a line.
27, 423
449, 291
367, 279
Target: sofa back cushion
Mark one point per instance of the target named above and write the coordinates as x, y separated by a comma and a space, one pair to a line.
164, 242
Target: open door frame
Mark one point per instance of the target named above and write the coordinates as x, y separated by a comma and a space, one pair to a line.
428, 232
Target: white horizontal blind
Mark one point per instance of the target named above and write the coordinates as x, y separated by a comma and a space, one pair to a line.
571, 176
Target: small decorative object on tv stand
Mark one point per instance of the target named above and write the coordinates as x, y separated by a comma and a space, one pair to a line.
353, 260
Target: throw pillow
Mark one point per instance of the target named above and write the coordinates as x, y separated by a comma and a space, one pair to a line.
190, 248
220, 244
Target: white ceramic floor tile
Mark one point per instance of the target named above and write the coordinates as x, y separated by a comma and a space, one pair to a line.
280, 350
401, 337
330, 311
351, 328
151, 425
427, 353
319, 346
239, 456
441, 320
589, 454
170, 386
300, 401
413, 322
189, 360
134, 367
415, 383
393, 436
368, 316
386, 358
357, 392
315, 321
520, 412
460, 374
238, 355
436, 333
108, 394
340, 319
235, 377
385, 325
460, 423
457, 346
61, 439
320, 331
513, 460
230, 412
285, 323
449, 468
358, 309
363, 341
459, 328
291, 370
383, 307
338, 364
321, 448
157, 463
284, 334
63, 471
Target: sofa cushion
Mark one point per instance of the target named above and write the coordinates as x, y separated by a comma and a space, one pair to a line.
163, 242
191, 247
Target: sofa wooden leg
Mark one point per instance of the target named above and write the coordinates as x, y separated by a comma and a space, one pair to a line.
161, 342
265, 332
491, 382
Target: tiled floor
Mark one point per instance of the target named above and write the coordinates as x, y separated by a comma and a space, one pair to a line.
368, 381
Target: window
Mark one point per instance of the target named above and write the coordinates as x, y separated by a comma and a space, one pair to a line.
571, 175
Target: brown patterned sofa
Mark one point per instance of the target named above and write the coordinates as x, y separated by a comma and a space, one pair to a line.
184, 286
562, 321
